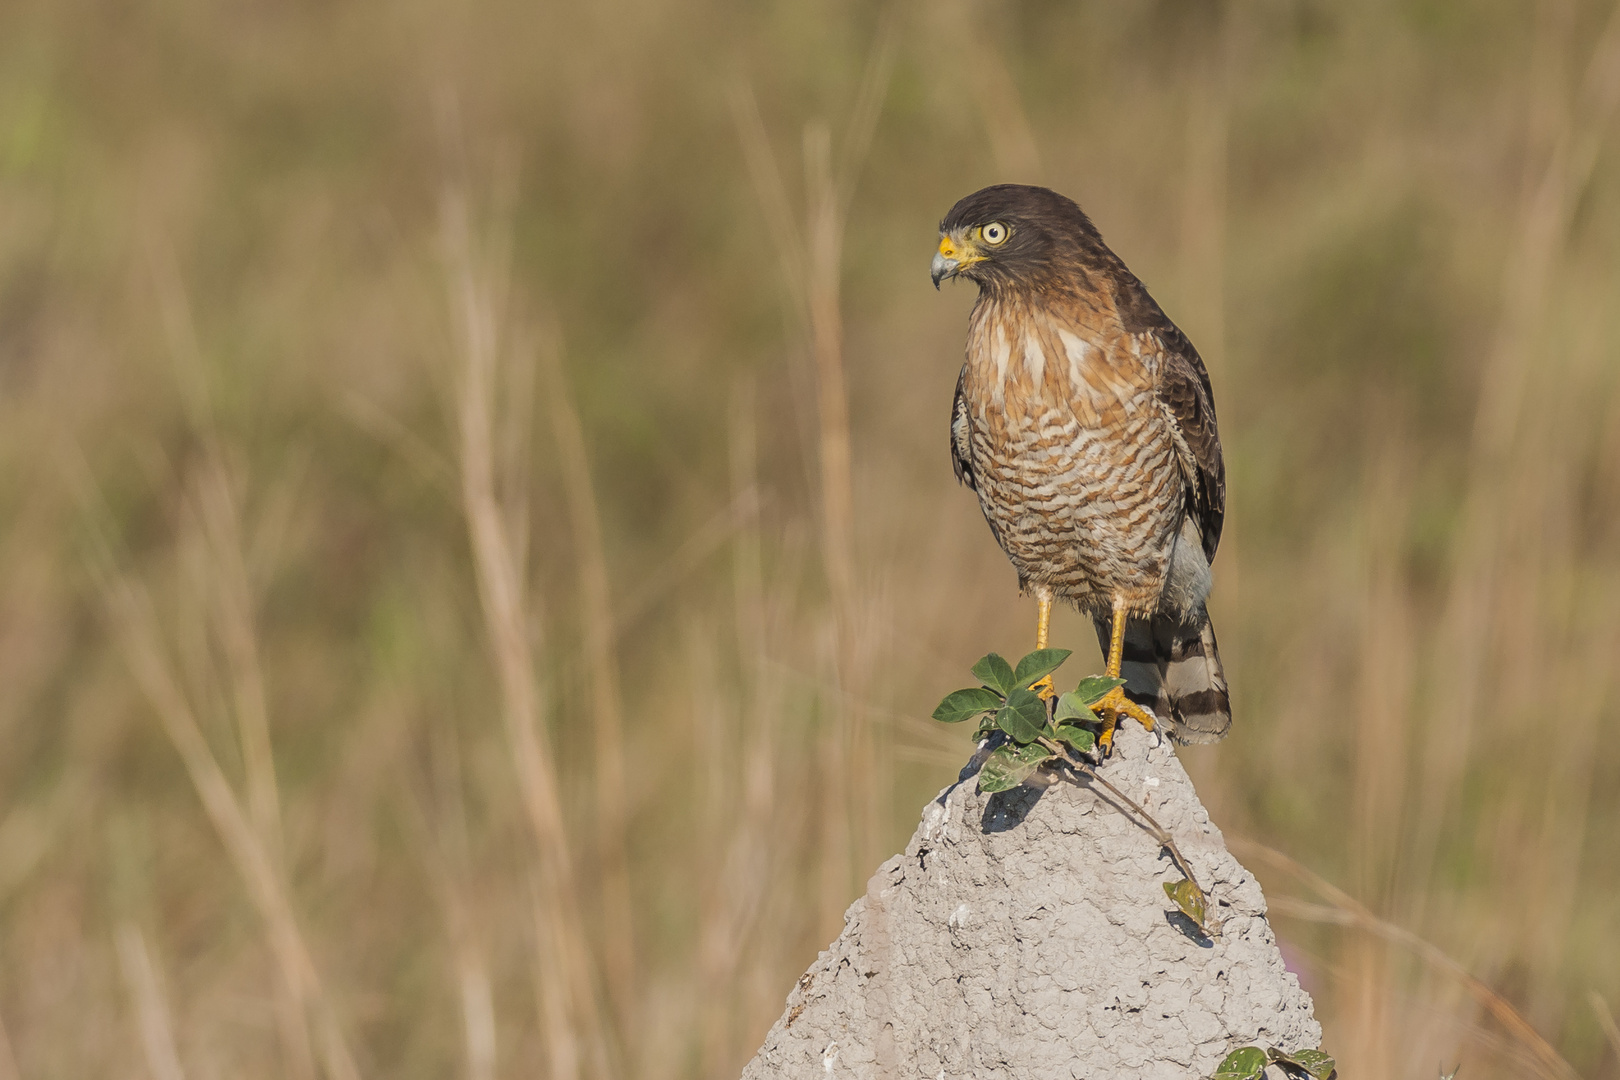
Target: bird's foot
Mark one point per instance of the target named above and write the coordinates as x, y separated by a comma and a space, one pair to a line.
1044, 689
1111, 708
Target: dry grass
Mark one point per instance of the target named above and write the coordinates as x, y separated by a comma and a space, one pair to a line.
475, 575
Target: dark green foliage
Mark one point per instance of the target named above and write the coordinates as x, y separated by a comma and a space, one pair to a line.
995, 673
1319, 1065
1010, 765
1093, 688
1078, 703
1244, 1064
1082, 739
1249, 1062
1038, 665
1036, 729
1023, 717
966, 704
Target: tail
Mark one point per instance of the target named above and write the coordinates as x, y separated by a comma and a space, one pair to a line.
1174, 668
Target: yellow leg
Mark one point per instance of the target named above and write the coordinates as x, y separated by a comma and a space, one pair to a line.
1043, 625
1116, 703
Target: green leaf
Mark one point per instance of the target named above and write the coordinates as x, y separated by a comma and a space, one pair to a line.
995, 673
1038, 664
1008, 766
1023, 718
1082, 739
1242, 1064
1093, 688
1318, 1064
1187, 896
966, 704
1071, 707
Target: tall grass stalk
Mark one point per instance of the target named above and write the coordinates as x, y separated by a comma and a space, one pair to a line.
571, 1023
744, 809
607, 700
213, 517
142, 639
151, 1006
212, 532
436, 811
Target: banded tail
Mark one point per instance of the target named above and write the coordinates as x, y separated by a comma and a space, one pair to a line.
1174, 668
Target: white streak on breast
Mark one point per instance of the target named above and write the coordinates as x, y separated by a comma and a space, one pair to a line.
1003, 354
1034, 359
1075, 349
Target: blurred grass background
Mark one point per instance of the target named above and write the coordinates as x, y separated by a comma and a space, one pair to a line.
478, 551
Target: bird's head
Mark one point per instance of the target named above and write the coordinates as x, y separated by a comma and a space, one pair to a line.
1012, 235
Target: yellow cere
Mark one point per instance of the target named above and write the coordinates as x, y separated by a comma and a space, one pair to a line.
965, 252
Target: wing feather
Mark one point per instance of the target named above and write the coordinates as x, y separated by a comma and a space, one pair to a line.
1184, 392
961, 443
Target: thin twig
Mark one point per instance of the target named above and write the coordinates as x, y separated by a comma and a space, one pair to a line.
1158, 832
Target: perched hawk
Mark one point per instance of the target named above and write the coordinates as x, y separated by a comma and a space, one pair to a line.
1084, 421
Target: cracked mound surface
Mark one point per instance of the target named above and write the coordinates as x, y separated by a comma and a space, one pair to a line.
1027, 935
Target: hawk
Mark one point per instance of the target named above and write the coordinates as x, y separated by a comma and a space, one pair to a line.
1085, 423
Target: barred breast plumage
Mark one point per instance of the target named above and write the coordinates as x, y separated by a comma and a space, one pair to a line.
1074, 457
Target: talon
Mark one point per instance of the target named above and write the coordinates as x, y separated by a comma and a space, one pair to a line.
1044, 689
1114, 705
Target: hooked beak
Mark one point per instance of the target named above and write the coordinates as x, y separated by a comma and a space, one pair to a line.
955, 254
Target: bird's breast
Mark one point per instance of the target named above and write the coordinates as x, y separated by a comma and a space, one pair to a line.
1023, 362
1073, 458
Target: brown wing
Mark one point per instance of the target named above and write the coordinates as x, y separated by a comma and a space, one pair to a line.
1184, 391
961, 446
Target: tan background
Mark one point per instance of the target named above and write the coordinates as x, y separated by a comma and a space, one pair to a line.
272, 797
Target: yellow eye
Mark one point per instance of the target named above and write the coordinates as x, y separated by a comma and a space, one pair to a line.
995, 233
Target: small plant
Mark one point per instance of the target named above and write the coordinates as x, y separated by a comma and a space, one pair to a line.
1249, 1062
1058, 730
1006, 703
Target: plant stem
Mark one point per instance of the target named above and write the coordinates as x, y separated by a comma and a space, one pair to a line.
1158, 831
